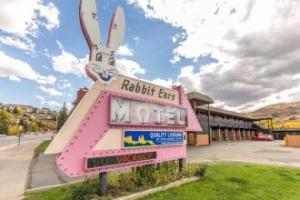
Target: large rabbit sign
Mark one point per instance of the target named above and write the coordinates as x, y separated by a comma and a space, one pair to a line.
101, 64
121, 122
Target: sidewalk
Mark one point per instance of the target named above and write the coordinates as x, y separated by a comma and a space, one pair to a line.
14, 163
43, 172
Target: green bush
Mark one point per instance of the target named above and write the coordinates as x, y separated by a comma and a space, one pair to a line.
200, 170
145, 175
85, 190
137, 179
126, 182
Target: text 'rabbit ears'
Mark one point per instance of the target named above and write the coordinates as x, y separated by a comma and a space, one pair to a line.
90, 26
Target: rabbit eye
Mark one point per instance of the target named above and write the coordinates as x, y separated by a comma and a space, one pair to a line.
98, 57
111, 61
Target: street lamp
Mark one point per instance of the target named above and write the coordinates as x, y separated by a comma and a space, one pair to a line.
19, 131
55, 129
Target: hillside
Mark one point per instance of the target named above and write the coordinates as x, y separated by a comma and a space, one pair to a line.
286, 115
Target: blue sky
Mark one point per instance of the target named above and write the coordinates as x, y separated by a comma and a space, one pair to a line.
213, 47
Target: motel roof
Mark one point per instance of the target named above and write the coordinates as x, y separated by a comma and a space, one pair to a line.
199, 99
224, 112
262, 117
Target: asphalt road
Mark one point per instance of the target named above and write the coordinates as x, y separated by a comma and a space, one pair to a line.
14, 163
7, 142
261, 152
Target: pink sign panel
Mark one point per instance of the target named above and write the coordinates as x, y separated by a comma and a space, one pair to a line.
79, 157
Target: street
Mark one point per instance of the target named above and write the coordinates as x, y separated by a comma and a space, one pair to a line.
14, 163
11, 141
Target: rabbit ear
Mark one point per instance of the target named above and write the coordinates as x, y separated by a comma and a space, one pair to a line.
116, 30
89, 22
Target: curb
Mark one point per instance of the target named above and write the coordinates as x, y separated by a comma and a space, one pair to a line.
48, 187
29, 172
158, 189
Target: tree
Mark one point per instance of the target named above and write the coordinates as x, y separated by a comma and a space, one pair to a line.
24, 124
6, 119
33, 126
62, 116
25, 127
12, 129
18, 110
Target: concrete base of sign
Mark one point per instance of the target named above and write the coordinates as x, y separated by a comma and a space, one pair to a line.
198, 139
158, 189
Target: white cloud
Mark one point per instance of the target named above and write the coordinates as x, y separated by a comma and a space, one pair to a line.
124, 50
67, 63
174, 39
129, 67
175, 59
63, 84
137, 39
241, 88
256, 44
51, 103
16, 69
39, 97
16, 42
22, 18
60, 46
14, 78
165, 83
51, 91
69, 106
50, 13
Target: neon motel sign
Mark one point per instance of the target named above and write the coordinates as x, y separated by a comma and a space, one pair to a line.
125, 111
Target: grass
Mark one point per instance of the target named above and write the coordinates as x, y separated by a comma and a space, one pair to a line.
42, 147
222, 181
240, 182
59, 193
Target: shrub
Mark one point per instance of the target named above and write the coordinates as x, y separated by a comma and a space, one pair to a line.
145, 175
137, 179
126, 182
201, 170
84, 191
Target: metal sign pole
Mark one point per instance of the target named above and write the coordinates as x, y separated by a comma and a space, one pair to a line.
181, 163
102, 183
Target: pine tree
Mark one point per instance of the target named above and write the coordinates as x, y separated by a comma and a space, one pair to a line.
62, 117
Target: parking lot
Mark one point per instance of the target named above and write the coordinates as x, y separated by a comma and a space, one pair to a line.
262, 152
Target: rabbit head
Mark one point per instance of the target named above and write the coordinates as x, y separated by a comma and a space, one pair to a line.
101, 64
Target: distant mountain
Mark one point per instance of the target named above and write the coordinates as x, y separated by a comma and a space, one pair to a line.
286, 115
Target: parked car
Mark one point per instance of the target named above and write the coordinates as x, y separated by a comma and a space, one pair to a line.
265, 137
